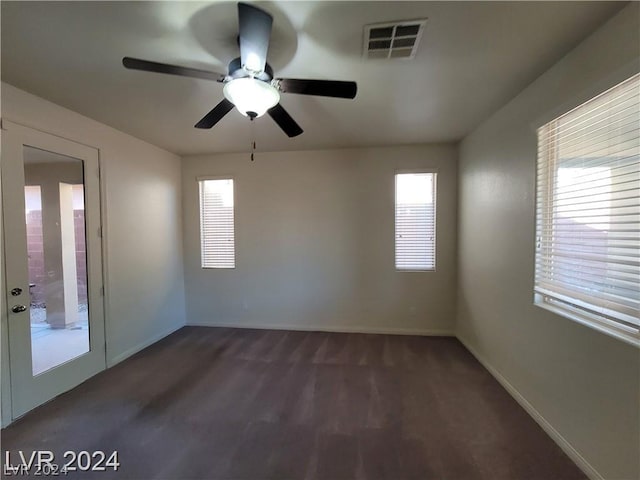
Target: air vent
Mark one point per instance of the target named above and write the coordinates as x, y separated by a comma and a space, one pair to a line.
393, 40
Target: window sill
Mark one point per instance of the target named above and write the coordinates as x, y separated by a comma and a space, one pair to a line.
592, 321
415, 270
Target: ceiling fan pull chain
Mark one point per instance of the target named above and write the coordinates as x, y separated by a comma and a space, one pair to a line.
253, 138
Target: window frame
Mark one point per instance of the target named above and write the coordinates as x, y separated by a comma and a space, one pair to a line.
199, 180
569, 306
417, 171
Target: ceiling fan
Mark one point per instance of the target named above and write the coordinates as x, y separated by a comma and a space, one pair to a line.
250, 85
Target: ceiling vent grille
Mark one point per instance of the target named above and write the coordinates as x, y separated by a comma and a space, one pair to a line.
393, 40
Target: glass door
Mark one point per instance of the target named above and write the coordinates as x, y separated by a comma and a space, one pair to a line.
51, 215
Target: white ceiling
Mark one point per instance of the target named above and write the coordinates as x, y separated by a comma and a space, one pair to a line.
474, 57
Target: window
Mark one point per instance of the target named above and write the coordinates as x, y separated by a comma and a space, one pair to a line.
588, 213
415, 221
217, 239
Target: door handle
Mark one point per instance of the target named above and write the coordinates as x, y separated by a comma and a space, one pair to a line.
18, 308
16, 291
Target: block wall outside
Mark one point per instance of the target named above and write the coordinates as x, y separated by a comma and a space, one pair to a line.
35, 249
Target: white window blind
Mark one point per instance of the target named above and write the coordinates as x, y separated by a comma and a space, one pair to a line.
415, 220
217, 240
588, 212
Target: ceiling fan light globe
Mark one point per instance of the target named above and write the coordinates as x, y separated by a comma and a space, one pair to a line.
251, 95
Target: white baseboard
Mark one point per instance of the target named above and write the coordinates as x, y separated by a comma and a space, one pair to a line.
566, 447
141, 346
330, 328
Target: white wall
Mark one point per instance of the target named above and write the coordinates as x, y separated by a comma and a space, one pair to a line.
142, 223
582, 382
315, 243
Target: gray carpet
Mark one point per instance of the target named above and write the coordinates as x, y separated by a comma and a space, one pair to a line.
216, 403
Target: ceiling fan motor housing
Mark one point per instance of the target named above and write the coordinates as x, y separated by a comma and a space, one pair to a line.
237, 71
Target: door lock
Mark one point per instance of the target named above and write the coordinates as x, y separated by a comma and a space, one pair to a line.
18, 308
16, 291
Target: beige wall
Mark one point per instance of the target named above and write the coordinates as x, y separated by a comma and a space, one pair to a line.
582, 382
141, 183
315, 243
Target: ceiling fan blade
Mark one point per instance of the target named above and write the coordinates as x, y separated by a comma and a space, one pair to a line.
147, 66
255, 30
214, 116
284, 121
322, 88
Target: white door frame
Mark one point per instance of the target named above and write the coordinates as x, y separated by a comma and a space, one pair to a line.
27, 391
